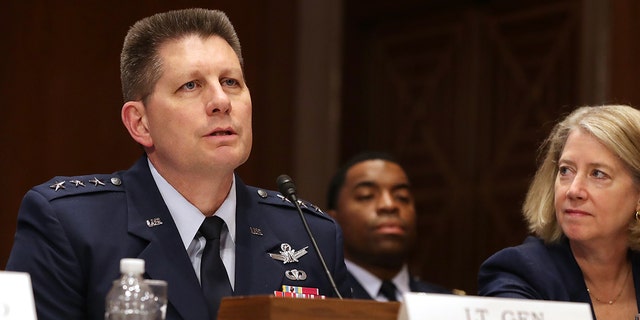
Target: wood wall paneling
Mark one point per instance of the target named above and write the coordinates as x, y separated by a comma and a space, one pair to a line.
625, 52
463, 95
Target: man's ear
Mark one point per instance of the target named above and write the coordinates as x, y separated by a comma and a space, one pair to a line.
134, 118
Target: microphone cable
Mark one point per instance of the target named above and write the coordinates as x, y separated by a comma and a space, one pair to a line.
288, 189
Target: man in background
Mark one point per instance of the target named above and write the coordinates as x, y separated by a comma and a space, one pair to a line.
370, 198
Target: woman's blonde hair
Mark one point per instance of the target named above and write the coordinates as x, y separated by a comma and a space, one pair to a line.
617, 127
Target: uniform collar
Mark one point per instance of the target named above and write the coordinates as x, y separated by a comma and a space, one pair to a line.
186, 216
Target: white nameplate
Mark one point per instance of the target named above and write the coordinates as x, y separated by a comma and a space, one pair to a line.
433, 306
16, 296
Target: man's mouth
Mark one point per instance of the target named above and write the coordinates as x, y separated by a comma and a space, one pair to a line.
221, 133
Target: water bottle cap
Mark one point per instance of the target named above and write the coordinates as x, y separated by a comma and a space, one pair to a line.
131, 265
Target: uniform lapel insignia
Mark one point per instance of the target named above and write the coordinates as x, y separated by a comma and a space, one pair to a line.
255, 231
153, 222
57, 186
288, 254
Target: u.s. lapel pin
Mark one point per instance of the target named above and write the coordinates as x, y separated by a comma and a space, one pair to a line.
288, 254
255, 231
153, 222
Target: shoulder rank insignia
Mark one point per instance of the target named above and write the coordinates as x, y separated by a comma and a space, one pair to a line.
57, 186
77, 183
96, 182
287, 254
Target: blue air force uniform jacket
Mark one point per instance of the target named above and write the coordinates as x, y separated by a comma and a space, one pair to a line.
73, 231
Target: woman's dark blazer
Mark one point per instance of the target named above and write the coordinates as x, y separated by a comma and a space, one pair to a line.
535, 270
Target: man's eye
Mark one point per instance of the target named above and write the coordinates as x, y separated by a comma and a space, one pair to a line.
230, 82
404, 199
189, 85
364, 197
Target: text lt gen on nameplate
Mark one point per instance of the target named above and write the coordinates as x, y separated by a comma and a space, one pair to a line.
16, 296
433, 306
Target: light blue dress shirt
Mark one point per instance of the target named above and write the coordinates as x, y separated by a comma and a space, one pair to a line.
188, 219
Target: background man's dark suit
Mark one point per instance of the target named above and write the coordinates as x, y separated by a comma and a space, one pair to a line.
71, 241
358, 292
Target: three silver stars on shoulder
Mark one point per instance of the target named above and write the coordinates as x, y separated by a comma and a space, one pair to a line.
59, 185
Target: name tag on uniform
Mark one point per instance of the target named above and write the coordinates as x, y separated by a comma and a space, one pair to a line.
16, 296
451, 307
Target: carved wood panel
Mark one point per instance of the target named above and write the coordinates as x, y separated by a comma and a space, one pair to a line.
463, 95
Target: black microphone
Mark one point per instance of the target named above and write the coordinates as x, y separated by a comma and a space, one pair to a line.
288, 189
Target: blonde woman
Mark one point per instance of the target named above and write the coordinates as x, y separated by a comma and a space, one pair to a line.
583, 210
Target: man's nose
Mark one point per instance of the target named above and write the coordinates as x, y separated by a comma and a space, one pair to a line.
217, 100
386, 203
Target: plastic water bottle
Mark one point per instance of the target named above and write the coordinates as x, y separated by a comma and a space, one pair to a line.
130, 298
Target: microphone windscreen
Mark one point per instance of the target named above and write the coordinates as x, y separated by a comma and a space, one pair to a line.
286, 186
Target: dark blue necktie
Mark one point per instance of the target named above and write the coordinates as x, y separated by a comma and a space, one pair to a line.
388, 290
213, 275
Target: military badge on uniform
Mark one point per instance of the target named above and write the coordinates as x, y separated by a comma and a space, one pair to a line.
153, 222
288, 254
255, 231
96, 182
299, 292
296, 275
302, 204
283, 198
77, 183
57, 186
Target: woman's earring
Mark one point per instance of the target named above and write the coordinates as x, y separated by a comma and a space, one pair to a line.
637, 215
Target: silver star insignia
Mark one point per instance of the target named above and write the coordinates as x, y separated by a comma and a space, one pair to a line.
302, 204
57, 186
317, 209
283, 198
288, 254
96, 182
77, 183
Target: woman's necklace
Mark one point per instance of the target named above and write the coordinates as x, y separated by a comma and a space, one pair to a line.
612, 301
